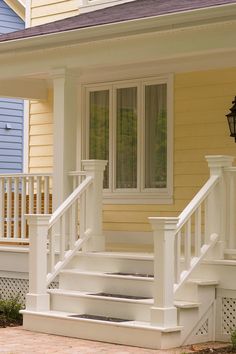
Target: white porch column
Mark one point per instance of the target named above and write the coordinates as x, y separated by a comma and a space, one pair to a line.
163, 312
64, 147
216, 206
95, 169
37, 299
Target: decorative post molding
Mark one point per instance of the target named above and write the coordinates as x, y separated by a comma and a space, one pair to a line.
94, 196
216, 204
37, 299
163, 312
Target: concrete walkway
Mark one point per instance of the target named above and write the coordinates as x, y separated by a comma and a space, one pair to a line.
16, 340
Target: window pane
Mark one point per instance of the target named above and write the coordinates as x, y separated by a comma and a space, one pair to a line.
156, 136
99, 129
126, 138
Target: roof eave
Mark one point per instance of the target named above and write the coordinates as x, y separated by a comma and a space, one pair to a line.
166, 22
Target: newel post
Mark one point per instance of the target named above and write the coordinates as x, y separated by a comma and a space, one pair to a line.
163, 312
216, 204
37, 299
94, 198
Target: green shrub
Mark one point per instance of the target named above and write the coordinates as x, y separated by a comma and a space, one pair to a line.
10, 312
233, 338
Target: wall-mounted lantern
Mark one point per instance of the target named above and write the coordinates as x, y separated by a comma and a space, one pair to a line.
232, 120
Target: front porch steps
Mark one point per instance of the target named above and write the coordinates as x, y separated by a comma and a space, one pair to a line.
127, 281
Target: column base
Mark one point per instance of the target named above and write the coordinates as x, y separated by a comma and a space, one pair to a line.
37, 302
164, 317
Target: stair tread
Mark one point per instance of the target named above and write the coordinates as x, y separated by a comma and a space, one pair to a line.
129, 324
106, 274
91, 295
204, 281
186, 304
128, 255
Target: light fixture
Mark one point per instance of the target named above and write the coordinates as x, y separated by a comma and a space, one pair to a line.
232, 120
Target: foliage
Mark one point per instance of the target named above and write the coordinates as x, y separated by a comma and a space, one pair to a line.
233, 339
10, 312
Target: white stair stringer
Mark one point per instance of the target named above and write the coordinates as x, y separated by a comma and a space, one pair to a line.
205, 293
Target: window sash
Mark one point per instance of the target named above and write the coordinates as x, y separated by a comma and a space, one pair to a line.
142, 187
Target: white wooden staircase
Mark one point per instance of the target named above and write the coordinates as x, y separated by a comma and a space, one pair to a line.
147, 300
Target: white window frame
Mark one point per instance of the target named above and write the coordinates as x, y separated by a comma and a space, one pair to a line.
140, 195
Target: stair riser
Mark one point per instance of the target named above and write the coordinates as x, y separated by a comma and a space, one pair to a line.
95, 283
105, 332
103, 307
111, 264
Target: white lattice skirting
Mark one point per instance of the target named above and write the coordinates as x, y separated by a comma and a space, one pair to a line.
12, 287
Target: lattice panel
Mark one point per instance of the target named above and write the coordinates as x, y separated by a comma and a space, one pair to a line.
11, 287
204, 329
228, 314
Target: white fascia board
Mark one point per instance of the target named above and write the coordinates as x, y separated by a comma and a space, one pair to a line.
163, 23
17, 6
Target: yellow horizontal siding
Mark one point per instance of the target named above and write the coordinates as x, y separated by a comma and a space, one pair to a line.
43, 11
41, 136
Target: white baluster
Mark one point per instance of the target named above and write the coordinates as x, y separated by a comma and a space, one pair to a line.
31, 194
62, 236
46, 195
38, 195
16, 207
9, 206
2, 206
187, 244
23, 207
178, 257
198, 234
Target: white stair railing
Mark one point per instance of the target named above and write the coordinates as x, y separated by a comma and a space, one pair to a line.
76, 224
181, 243
22, 194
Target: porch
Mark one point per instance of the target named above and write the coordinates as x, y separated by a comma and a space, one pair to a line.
188, 276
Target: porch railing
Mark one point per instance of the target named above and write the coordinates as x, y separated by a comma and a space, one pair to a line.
75, 225
22, 194
181, 243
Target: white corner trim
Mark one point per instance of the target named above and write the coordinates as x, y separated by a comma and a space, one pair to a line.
26, 137
27, 13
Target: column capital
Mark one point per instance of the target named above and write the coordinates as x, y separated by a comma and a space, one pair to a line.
217, 162
38, 219
94, 165
163, 223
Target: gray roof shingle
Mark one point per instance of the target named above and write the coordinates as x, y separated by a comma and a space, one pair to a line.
124, 12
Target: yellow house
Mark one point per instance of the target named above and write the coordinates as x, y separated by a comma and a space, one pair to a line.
145, 85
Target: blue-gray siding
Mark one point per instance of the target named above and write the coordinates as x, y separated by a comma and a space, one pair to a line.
11, 111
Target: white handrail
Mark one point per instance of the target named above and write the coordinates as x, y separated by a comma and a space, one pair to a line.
196, 201
69, 201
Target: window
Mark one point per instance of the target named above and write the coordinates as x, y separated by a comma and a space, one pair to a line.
129, 125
